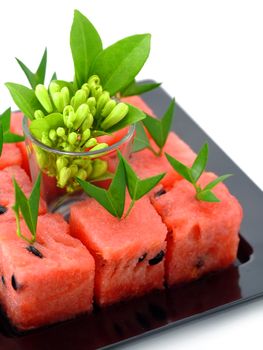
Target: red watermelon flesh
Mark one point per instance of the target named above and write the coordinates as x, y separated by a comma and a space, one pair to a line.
202, 236
17, 128
146, 164
38, 291
11, 155
128, 253
7, 194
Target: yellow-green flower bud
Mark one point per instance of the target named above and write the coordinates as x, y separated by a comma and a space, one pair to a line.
108, 108
64, 176
72, 138
91, 101
94, 80
91, 142
99, 147
82, 113
103, 99
117, 114
82, 174
99, 168
57, 98
88, 167
85, 136
43, 97
74, 170
86, 88
69, 116
52, 135
53, 87
42, 158
38, 114
79, 98
65, 95
96, 91
61, 162
45, 140
60, 131
87, 124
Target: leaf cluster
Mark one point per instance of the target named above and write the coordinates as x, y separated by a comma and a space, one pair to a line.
193, 174
113, 199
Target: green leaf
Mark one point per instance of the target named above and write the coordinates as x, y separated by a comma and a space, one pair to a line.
200, 162
113, 200
138, 188
39, 76
182, 169
1, 138
41, 70
207, 196
141, 140
24, 98
54, 76
134, 115
28, 208
13, 138
215, 182
138, 88
85, 44
67, 84
119, 64
7, 136
51, 121
159, 128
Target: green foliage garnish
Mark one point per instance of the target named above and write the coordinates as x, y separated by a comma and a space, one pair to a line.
25, 99
159, 128
5, 135
85, 44
193, 174
138, 188
39, 76
28, 208
136, 88
118, 64
113, 199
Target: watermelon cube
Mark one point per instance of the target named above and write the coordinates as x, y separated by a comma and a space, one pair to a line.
202, 236
146, 164
17, 128
128, 253
11, 155
48, 282
7, 193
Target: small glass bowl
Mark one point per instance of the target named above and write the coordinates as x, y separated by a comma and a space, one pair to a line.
59, 187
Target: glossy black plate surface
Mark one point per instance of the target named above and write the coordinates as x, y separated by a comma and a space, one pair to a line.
239, 283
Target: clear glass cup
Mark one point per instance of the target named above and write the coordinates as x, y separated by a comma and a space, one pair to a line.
59, 187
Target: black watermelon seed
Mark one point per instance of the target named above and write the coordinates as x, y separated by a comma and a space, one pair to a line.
2, 210
14, 282
159, 193
3, 280
200, 263
158, 258
141, 258
34, 251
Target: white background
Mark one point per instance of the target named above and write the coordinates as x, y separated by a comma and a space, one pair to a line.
209, 55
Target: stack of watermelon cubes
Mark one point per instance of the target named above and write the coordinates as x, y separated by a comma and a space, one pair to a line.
169, 238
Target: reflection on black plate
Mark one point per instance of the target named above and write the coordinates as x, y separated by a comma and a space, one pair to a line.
170, 307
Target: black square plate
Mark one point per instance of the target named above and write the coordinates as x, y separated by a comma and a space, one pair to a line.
171, 307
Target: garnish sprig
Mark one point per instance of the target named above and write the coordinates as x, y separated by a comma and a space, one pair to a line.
157, 128
113, 199
193, 174
6, 136
28, 208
